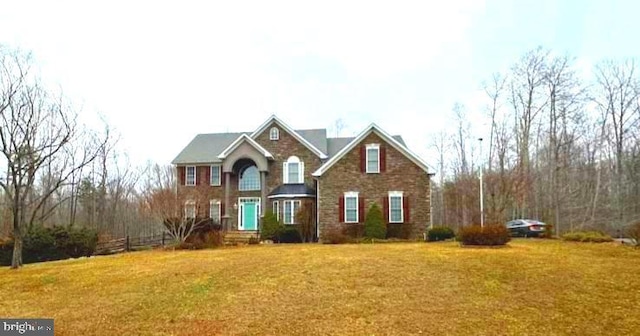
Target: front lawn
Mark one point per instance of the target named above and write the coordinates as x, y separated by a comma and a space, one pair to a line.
533, 287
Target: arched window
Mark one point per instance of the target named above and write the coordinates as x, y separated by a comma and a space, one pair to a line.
249, 178
293, 170
274, 133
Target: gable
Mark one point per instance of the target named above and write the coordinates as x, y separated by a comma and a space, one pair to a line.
241, 140
314, 135
388, 139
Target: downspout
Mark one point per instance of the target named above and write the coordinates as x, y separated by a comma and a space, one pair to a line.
317, 209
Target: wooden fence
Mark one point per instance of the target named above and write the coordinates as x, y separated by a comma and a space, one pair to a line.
131, 244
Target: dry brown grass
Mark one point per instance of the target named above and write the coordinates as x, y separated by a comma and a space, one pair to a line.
533, 287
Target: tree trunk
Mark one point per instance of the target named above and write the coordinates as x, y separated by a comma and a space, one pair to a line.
16, 260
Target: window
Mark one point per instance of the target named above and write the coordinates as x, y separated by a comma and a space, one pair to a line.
396, 214
249, 179
214, 210
373, 158
190, 209
293, 170
274, 133
351, 207
190, 176
276, 209
215, 175
290, 209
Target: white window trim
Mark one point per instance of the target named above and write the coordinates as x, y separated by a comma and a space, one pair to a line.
372, 146
274, 135
276, 209
242, 171
293, 213
351, 194
397, 194
186, 175
285, 170
215, 203
219, 175
188, 204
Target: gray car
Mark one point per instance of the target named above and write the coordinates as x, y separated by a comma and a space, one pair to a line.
526, 228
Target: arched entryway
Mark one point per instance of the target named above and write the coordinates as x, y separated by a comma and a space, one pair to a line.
249, 206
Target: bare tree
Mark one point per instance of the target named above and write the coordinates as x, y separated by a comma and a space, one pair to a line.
617, 99
182, 213
339, 126
527, 101
494, 91
38, 135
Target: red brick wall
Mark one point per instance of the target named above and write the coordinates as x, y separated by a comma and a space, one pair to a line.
401, 174
281, 150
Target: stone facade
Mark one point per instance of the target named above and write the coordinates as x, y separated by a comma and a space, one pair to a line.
401, 174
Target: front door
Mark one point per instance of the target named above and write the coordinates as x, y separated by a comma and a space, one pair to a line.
249, 213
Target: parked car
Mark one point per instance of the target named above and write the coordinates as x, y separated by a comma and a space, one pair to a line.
526, 227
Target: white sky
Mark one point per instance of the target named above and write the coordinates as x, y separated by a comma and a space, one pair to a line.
161, 72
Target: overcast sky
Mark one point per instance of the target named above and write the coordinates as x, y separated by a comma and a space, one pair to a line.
161, 72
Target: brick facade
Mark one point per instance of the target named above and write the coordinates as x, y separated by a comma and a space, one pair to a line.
398, 173
401, 174
281, 150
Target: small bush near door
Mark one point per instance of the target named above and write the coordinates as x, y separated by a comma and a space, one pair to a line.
271, 227
290, 234
490, 235
439, 233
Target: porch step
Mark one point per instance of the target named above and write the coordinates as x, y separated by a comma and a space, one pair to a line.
240, 237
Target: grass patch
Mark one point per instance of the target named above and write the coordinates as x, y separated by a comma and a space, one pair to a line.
535, 287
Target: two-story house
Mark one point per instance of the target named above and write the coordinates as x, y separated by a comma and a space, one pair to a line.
234, 177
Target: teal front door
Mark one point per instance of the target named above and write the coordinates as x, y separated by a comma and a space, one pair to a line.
250, 216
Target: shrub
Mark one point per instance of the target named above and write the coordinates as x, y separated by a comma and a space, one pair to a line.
75, 243
334, 235
587, 237
47, 244
271, 227
438, 233
374, 226
210, 235
633, 231
290, 234
490, 235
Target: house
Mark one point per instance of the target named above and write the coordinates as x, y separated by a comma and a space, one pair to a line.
239, 175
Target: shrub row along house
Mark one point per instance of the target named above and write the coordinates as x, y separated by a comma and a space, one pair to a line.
234, 177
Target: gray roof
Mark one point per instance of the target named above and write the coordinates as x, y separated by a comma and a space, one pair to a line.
292, 189
205, 148
334, 145
317, 137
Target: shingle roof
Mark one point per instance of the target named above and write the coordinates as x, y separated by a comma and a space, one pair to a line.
291, 190
205, 148
317, 137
